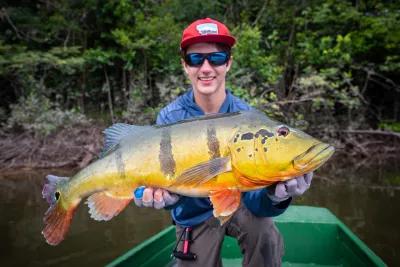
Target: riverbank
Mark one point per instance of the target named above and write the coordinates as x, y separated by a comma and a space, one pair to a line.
76, 147
72, 147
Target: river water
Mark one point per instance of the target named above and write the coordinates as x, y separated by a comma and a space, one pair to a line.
367, 199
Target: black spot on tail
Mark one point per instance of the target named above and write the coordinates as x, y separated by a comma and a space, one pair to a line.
167, 161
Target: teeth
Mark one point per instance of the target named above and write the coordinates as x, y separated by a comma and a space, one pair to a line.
206, 78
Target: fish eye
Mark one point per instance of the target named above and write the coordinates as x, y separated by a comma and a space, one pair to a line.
283, 131
57, 195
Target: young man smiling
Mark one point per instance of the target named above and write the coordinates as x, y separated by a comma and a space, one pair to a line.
206, 59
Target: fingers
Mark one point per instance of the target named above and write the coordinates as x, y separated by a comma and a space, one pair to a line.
301, 186
138, 195
169, 198
153, 197
148, 198
158, 199
281, 191
298, 185
290, 188
308, 177
143, 196
278, 192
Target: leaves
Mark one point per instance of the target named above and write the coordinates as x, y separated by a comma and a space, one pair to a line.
294, 60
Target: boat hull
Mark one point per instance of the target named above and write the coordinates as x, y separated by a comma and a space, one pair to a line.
313, 236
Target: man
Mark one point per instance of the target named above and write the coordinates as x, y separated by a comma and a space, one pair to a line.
206, 59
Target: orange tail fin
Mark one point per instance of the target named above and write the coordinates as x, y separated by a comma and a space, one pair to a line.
57, 221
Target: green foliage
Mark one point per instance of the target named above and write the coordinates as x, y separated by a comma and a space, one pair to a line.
295, 60
390, 126
250, 57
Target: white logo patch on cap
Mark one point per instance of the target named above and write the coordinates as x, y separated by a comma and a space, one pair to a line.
207, 28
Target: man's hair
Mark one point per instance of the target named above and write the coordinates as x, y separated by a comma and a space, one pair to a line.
220, 46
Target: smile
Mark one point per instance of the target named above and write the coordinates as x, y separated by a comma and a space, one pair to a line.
206, 78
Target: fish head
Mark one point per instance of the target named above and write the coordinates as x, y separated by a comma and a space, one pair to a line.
276, 152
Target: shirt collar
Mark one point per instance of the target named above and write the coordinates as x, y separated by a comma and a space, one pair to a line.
225, 107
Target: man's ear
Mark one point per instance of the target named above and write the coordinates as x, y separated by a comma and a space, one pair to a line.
229, 64
184, 65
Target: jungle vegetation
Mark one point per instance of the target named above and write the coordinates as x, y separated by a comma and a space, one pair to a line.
329, 67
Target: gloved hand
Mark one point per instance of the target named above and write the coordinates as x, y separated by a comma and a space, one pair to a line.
290, 188
154, 197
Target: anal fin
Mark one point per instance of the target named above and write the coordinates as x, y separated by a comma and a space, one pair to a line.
225, 203
103, 206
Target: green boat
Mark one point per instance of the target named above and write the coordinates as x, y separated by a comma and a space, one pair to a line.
313, 237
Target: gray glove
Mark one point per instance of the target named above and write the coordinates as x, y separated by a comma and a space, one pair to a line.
154, 197
291, 188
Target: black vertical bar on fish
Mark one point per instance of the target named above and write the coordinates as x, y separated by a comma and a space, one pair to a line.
212, 142
120, 164
167, 161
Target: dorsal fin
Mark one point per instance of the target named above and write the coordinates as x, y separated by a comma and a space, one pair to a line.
202, 117
114, 134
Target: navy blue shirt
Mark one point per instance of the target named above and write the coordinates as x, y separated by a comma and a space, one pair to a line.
189, 211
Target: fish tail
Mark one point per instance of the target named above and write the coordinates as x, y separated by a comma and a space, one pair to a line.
57, 221
57, 218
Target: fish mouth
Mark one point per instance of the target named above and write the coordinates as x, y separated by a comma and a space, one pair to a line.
313, 157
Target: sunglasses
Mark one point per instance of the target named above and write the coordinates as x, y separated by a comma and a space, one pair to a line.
215, 58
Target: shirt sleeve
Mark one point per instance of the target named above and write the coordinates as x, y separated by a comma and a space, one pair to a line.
161, 118
262, 206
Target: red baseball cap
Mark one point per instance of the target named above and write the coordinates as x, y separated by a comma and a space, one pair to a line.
206, 30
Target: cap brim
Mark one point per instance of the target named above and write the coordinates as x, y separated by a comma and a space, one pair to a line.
209, 38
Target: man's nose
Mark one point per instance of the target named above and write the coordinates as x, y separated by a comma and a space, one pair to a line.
206, 66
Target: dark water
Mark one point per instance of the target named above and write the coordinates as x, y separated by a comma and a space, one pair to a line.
366, 199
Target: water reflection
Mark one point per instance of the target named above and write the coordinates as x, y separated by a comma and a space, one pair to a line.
366, 200
89, 242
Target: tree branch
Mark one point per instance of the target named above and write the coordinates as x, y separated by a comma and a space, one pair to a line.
4, 15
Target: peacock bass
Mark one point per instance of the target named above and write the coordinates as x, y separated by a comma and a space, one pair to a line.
216, 156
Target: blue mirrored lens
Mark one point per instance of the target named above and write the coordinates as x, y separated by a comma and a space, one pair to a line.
216, 58
195, 59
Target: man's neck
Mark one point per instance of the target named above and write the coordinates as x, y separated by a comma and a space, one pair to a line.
210, 103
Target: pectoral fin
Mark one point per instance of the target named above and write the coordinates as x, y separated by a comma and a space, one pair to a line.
103, 206
203, 172
225, 203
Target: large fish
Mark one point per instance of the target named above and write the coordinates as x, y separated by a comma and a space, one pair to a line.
218, 156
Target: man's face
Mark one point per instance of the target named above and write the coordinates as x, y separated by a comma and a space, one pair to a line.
206, 79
